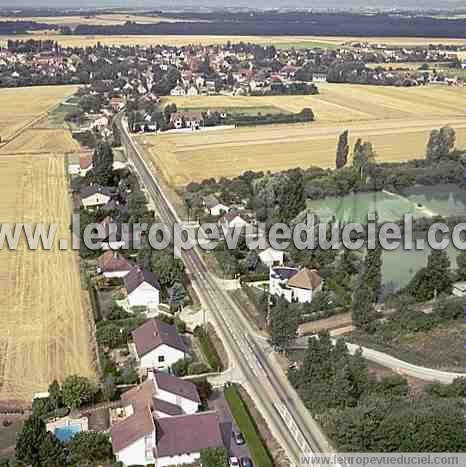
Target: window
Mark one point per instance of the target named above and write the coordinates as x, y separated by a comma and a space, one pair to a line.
161, 358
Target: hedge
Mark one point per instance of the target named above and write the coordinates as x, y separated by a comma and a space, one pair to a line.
259, 452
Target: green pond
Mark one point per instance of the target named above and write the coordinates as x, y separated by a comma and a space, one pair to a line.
399, 265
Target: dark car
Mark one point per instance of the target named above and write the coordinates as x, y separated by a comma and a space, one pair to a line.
246, 462
239, 438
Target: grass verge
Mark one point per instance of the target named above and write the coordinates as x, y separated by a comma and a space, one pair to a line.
247, 425
209, 350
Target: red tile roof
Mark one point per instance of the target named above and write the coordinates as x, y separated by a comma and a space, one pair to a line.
111, 261
305, 279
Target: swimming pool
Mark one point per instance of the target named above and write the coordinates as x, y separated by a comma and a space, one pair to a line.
65, 433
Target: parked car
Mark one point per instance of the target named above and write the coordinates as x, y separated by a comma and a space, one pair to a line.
239, 438
234, 462
246, 462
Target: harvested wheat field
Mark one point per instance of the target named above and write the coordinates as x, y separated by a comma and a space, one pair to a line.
177, 40
21, 106
41, 141
103, 20
396, 120
45, 327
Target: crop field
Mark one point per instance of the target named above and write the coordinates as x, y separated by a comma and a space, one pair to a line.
20, 106
278, 41
396, 120
44, 330
104, 20
41, 141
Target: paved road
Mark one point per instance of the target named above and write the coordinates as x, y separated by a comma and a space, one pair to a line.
276, 399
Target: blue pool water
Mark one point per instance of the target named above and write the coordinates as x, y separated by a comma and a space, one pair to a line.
65, 433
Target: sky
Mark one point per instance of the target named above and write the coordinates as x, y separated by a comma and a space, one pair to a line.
170, 4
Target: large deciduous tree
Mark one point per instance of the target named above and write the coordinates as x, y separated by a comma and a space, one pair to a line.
441, 143
363, 157
77, 391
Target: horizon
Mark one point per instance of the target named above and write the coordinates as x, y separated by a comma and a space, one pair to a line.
336, 5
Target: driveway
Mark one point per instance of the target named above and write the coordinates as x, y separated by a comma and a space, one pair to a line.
218, 403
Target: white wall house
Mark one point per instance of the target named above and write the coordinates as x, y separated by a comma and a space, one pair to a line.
142, 288
158, 345
140, 435
140, 452
294, 285
161, 358
176, 391
232, 220
113, 265
271, 257
213, 206
95, 195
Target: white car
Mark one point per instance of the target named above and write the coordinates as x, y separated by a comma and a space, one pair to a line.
234, 462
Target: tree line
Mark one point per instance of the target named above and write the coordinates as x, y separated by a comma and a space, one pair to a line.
302, 23
363, 413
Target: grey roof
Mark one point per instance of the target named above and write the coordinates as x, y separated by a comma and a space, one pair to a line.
154, 333
91, 190
211, 201
284, 273
138, 276
187, 434
132, 429
167, 408
177, 386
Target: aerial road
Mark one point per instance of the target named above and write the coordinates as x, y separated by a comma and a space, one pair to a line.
281, 407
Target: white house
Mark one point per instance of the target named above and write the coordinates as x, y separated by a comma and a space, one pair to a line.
158, 345
111, 264
142, 288
213, 206
294, 285
271, 257
178, 91
86, 163
192, 120
193, 91
175, 391
319, 78
151, 429
95, 195
232, 220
